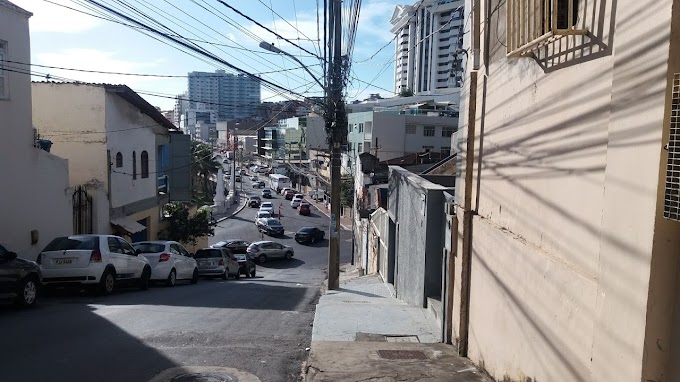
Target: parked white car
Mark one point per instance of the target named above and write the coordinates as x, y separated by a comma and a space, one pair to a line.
169, 261
97, 260
268, 207
297, 199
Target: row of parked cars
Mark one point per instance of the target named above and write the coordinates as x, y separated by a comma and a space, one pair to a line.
101, 262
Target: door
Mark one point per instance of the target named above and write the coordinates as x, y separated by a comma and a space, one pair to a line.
278, 250
135, 263
191, 263
117, 256
233, 263
181, 262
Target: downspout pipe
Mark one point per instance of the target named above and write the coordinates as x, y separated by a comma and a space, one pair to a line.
466, 271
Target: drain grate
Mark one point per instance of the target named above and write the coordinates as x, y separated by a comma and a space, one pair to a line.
204, 377
401, 354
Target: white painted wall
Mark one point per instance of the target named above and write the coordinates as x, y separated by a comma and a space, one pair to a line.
35, 193
128, 131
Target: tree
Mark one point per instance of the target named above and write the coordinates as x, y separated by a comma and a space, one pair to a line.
204, 165
405, 92
347, 191
184, 228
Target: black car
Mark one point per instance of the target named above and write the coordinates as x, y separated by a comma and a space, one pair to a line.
270, 226
258, 184
246, 266
19, 279
309, 235
236, 246
254, 201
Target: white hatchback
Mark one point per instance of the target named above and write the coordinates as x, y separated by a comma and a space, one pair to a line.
169, 261
297, 199
99, 260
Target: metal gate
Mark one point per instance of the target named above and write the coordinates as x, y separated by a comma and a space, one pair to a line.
82, 211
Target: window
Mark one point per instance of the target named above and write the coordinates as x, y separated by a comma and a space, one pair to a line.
445, 151
428, 131
361, 127
359, 147
349, 127
114, 245
528, 26
145, 164
134, 165
427, 149
447, 131
119, 160
410, 129
4, 87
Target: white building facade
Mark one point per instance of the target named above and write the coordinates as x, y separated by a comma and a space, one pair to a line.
36, 199
389, 134
232, 95
429, 35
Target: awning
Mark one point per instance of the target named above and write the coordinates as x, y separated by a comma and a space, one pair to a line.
128, 224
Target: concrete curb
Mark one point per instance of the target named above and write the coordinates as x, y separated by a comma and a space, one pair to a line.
235, 212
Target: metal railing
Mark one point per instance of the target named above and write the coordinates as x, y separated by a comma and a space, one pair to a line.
534, 23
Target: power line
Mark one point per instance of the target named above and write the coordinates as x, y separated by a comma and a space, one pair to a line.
264, 27
198, 50
296, 27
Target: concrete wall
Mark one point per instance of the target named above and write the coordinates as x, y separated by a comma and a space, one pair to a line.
128, 131
415, 204
378, 243
35, 192
572, 265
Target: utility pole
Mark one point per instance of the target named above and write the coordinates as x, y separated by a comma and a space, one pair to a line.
338, 119
233, 161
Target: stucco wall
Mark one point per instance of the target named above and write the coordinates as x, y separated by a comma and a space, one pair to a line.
567, 225
415, 205
35, 194
128, 131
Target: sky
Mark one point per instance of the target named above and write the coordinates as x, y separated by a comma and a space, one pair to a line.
68, 39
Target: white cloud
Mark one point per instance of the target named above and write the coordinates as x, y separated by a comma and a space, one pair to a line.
99, 60
52, 18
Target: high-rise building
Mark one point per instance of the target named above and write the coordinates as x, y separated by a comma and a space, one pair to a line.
429, 35
232, 95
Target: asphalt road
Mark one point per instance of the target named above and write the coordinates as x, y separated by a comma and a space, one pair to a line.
261, 326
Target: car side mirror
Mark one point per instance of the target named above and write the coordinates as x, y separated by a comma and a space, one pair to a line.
138, 251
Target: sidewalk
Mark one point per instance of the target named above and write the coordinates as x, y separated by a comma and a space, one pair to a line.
345, 221
361, 332
233, 209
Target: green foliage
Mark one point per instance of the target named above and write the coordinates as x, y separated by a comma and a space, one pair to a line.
405, 92
184, 228
347, 191
203, 165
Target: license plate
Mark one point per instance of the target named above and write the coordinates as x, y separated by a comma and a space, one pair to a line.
205, 263
63, 261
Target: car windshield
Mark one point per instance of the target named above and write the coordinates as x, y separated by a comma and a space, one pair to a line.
240, 257
73, 242
267, 204
149, 247
206, 253
273, 222
254, 198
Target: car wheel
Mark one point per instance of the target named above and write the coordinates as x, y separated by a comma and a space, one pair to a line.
172, 279
225, 275
262, 259
194, 277
252, 274
237, 275
107, 283
28, 291
289, 255
145, 280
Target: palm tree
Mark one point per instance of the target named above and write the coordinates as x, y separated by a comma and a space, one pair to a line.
204, 165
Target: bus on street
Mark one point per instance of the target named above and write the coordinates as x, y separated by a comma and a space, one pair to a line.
278, 182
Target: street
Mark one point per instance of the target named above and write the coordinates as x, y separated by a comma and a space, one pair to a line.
261, 326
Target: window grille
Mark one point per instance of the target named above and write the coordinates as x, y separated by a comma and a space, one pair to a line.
671, 208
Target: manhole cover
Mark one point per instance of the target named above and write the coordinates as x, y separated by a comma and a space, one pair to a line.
204, 377
401, 354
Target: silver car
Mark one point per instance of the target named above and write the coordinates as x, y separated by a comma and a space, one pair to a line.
217, 262
267, 250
